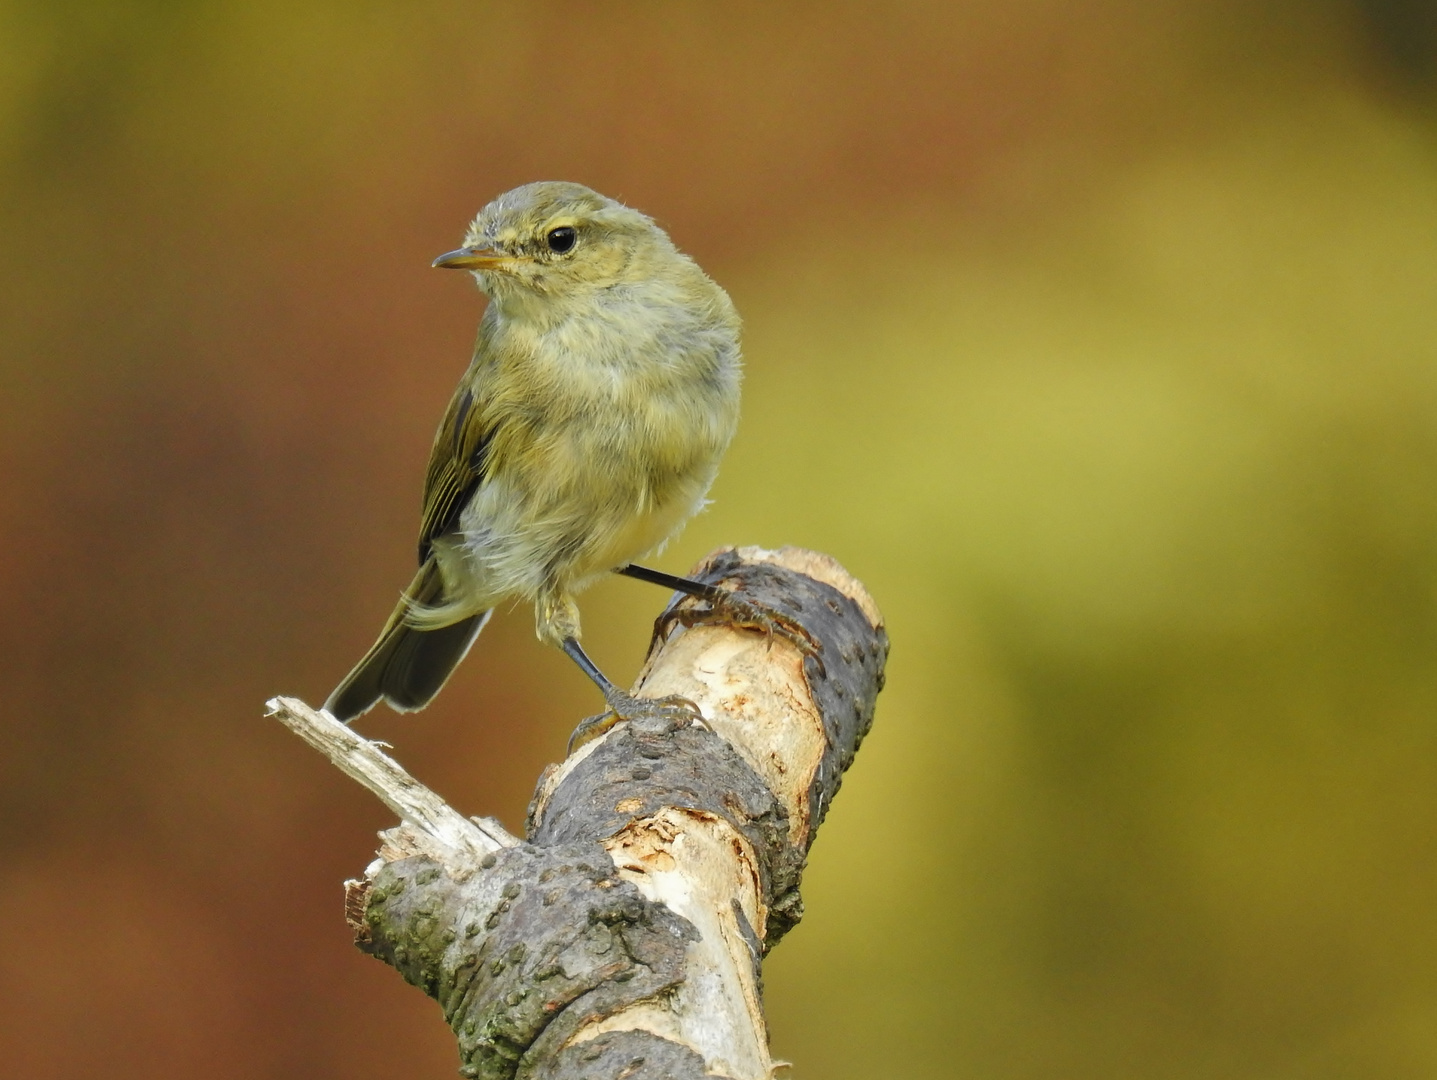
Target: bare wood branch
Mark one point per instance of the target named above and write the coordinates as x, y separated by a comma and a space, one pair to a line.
363, 760
623, 939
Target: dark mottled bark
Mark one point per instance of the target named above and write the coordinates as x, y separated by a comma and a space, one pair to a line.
520, 952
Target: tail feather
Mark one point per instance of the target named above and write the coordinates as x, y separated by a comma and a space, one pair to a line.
407, 666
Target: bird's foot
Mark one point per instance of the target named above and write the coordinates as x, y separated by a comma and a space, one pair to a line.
723, 606
665, 713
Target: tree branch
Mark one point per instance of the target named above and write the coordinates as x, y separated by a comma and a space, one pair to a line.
623, 939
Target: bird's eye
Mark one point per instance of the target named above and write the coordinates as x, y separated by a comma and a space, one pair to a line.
561, 240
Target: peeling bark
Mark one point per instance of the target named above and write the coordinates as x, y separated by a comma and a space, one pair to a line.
623, 940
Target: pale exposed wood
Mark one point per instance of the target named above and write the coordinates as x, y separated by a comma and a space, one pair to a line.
699, 867
753, 691
363, 760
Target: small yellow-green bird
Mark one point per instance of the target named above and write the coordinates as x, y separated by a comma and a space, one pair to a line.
603, 391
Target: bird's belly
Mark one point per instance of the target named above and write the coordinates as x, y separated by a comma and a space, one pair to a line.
563, 514
627, 540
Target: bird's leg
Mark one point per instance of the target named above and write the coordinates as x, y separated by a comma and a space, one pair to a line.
723, 605
670, 712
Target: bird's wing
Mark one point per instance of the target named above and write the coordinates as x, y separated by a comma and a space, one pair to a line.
456, 467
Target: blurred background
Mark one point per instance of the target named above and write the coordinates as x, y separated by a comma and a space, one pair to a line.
1099, 339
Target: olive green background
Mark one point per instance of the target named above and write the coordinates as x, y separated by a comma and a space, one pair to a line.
1099, 339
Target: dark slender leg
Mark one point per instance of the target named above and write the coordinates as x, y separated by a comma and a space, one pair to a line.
701, 589
588, 667
669, 710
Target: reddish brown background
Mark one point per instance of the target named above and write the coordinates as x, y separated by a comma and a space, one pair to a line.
1097, 338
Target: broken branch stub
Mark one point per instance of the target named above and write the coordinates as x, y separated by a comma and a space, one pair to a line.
623, 940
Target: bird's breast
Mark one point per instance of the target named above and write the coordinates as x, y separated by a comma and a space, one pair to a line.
632, 396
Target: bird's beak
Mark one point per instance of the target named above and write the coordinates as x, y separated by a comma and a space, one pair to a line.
472, 258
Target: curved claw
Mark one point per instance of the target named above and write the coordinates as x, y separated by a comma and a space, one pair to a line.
589, 729
671, 712
735, 611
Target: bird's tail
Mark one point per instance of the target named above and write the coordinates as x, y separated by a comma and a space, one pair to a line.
407, 666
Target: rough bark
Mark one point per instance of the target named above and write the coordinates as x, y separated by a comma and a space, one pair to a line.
623, 939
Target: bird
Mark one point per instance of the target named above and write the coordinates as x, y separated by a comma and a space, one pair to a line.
602, 393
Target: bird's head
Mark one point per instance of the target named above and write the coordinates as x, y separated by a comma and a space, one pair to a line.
560, 241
